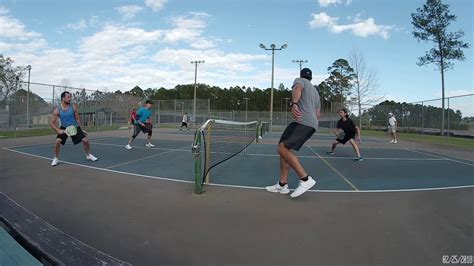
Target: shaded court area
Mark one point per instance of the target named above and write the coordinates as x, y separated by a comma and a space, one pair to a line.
128, 204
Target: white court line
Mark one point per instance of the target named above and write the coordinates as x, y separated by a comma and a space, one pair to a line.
334, 169
448, 159
102, 169
237, 186
259, 154
452, 156
140, 159
352, 191
349, 158
145, 148
51, 143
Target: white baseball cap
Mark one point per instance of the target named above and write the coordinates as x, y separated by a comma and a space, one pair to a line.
390, 114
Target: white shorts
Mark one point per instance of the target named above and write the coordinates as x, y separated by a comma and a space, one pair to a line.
392, 129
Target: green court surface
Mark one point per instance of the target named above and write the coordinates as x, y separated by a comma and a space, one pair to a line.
405, 204
383, 169
12, 253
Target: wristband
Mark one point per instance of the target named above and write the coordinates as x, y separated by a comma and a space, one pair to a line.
293, 103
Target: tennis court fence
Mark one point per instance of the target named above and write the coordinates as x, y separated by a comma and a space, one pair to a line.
23, 110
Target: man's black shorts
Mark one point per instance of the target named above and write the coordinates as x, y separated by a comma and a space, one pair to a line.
295, 135
146, 129
347, 137
76, 139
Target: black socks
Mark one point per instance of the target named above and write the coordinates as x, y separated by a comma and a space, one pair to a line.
283, 184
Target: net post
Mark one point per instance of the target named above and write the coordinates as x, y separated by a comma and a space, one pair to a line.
197, 163
53, 102
447, 132
258, 132
208, 154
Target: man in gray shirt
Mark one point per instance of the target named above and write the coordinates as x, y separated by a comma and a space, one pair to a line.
305, 107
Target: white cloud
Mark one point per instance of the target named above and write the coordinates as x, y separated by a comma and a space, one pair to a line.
27, 47
155, 5
325, 3
322, 20
12, 28
4, 10
80, 25
112, 39
213, 58
93, 20
118, 57
203, 44
360, 27
129, 12
186, 28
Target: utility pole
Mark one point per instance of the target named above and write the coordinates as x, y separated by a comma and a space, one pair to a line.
286, 110
246, 107
300, 62
272, 48
195, 86
28, 67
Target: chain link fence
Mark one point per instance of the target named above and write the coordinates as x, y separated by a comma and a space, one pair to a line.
33, 109
99, 108
423, 117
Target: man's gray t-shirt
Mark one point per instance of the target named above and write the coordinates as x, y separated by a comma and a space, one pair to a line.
308, 103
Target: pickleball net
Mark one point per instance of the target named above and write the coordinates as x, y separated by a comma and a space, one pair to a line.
219, 141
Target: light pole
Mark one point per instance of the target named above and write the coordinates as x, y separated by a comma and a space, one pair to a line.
300, 62
286, 110
195, 84
246, 107
28, 67
182, 107
272, 48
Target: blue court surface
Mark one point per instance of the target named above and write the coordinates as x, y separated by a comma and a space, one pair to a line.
384, 169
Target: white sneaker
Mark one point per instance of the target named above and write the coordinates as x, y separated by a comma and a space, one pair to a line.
303, 187
128, 147
91, 157
278, 189
395, 142
149, 145
391, 141
55, 161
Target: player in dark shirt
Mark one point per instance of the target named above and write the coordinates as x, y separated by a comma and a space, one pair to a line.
346, 131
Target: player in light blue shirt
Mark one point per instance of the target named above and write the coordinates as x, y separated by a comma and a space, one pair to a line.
143, 124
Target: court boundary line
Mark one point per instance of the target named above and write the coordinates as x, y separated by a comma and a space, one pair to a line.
250, 154
47, 144
144, 158
447, 159
103, 169
350, 158
352, 191
238, 186
334, 169
447, 156
145, 148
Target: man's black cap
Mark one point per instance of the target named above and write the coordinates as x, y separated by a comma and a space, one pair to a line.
306, 73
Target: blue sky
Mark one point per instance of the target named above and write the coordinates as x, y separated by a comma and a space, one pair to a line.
114, 45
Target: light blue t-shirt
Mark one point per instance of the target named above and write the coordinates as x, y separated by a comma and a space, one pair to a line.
143, 115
